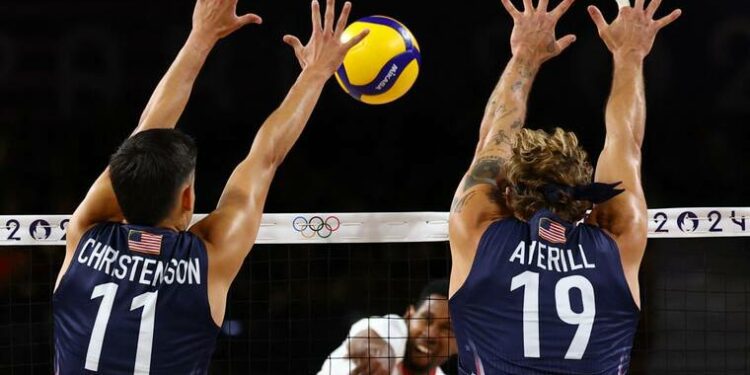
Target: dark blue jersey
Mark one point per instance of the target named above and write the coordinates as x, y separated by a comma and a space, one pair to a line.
544, 297
134, 300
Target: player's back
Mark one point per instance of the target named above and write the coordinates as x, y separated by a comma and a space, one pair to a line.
134, 300
544, 297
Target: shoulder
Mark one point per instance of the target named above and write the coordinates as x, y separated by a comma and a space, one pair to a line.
629, 236
596, 233
501, 230
76, 233
624, 219
496, 227
193, 239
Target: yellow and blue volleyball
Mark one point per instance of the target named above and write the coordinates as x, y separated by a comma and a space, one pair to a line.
384, 65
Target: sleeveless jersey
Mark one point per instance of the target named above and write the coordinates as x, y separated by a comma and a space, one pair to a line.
544, 297
134, 300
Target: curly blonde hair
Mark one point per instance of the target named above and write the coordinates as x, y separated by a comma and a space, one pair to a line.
539, 158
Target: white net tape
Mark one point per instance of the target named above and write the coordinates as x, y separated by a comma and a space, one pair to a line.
373, 227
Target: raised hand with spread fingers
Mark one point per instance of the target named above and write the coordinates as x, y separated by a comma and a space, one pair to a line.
634, 30
629, 38
325, 49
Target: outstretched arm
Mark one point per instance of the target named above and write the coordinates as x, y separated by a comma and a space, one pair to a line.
630, 38
230, 230
479, 199
212, 20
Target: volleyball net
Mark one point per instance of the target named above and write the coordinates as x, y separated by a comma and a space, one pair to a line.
311, 276
388, 227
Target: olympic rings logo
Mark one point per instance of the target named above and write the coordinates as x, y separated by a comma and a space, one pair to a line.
323, 228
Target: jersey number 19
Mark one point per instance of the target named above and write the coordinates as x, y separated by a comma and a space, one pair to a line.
584, 320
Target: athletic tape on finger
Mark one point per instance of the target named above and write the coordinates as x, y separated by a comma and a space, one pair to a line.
623, 3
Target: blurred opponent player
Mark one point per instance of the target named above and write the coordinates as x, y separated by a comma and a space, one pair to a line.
532, 291
140, 291
415, 344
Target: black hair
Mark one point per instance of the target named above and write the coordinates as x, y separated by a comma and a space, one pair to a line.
147, 171
435, 287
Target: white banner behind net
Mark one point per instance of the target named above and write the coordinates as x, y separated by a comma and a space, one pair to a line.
373, 227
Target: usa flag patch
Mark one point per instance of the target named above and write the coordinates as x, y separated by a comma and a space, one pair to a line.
144, 242
551, 231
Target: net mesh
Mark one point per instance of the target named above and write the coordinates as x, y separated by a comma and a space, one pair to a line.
292, 305
696, 308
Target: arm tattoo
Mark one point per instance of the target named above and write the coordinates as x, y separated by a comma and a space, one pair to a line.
485, 171
525, 70
502, 111
501, 138
459, 203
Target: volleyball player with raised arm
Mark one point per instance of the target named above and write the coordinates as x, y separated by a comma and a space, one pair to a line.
140, 291
532, 290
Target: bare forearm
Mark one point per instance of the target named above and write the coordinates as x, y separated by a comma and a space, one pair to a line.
626, 108
171, 95
506, 108
284, 126
240, 207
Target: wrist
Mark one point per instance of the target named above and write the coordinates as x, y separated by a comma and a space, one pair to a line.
529, 57
201, 40
628, 57
315, 74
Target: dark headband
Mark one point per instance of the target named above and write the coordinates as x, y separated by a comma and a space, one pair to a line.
596, 192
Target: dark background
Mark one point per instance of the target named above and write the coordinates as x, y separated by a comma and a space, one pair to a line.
75, 75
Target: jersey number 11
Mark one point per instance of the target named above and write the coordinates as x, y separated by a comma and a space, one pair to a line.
145, 334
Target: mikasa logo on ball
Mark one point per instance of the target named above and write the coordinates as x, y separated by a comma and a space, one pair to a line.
388, 77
